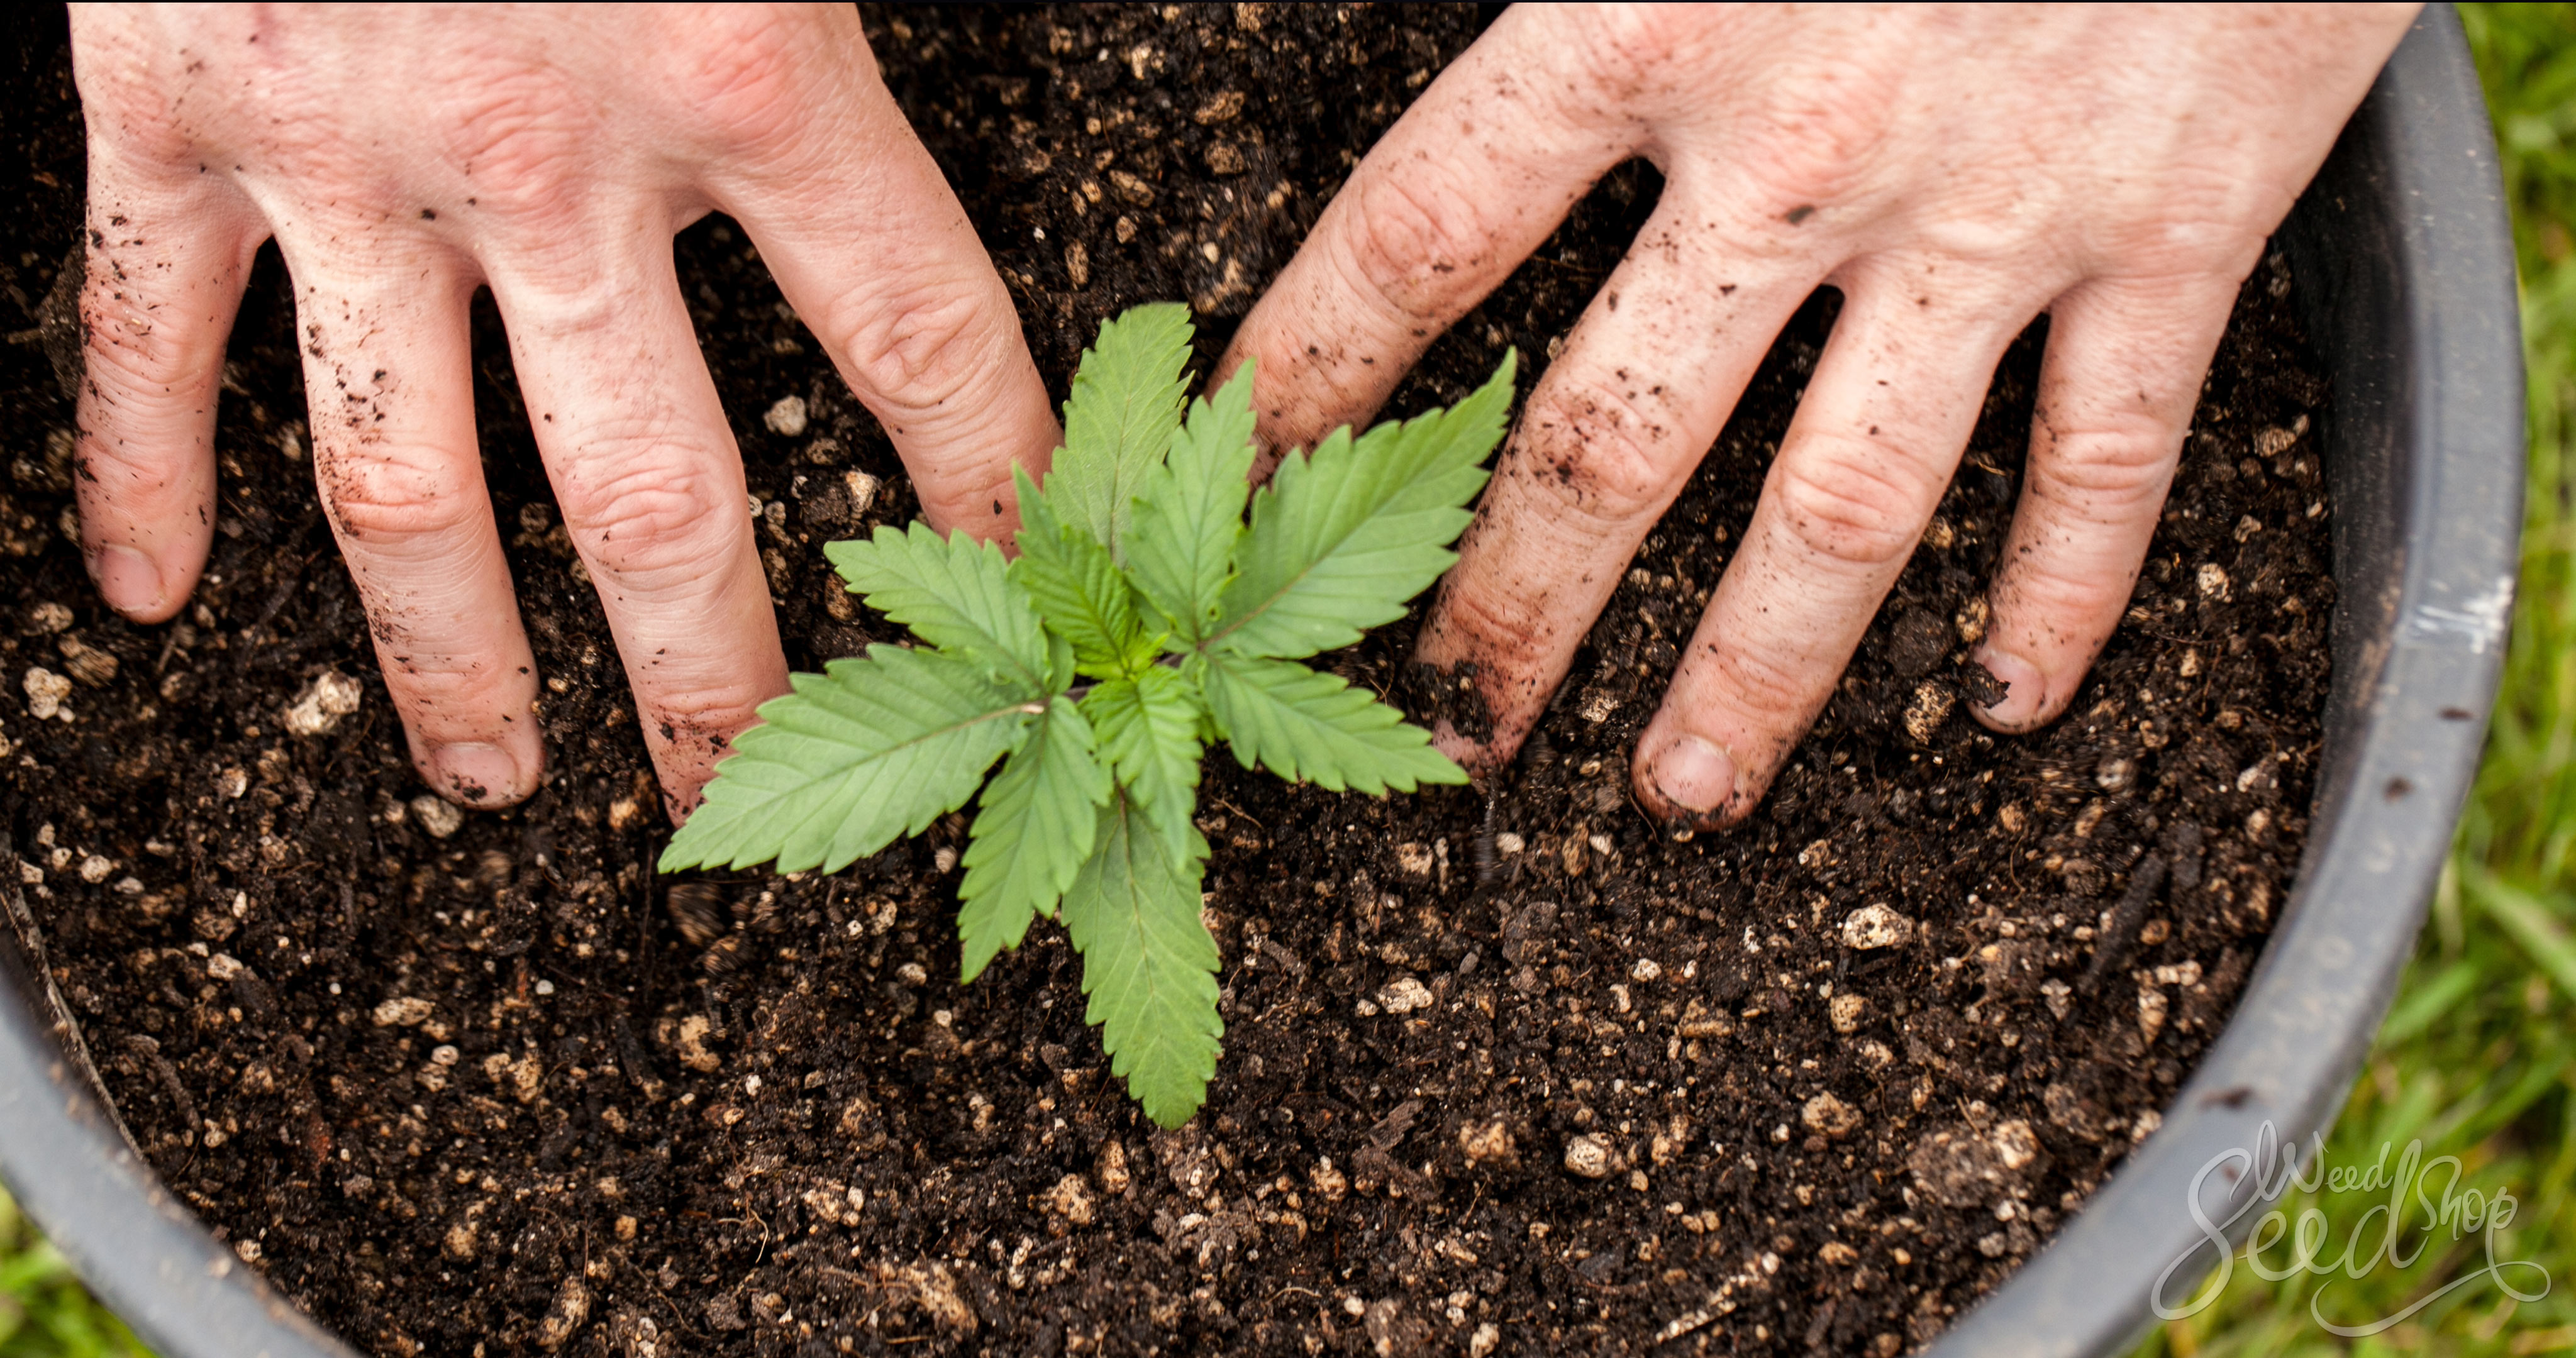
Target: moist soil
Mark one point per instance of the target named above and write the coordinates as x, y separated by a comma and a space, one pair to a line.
1507, 1068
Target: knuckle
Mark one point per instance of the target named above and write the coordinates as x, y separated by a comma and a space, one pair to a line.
1813, 141
716, 712
2115, 470
1774, 691
918, 349
648, 511
1628, 47
1412, 233
523, 131
744, 81
1597, 449
1851, 501
131, 349
383, 492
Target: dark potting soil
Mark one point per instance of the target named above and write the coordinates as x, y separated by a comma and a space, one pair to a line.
1507, 1070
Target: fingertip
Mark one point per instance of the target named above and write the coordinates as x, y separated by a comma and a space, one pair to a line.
1687, 779
1475, 756
2025, 703
132, 584
482, 774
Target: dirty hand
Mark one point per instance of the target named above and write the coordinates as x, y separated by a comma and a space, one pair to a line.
1954, 171
402, 157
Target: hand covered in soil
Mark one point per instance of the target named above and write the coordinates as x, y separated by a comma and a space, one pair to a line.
404, 156
1954, 171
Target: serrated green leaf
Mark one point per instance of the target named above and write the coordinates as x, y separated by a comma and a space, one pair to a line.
1036, 825
1078, 590
1341, 540
1149, 735
1301, 724
1148, 963
866, 751
954, 593
1118, 422
1189, 511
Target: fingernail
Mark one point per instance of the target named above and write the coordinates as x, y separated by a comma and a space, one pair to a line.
2024, 689
1694, 774
127, 579
474, 773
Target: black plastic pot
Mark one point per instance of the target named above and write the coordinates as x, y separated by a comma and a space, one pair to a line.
2405, 266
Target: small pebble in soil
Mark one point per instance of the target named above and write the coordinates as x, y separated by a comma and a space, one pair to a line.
862, 489
46, 691
1071, 1200
318, 709
1971, 619
786, 417
1588, 1157
1404, 995
47, 618
87, 663
1646, 969
1875, 926
1826, 1115
1508, 844
1486, 1143
439, 816
2213, 583
1931, 707
1845, 1011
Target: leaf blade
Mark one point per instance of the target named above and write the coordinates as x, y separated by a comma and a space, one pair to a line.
1037, 823
868, 751
1149, 734
952, 592
1148, 962
1119, 418
1078, 591
1343, 538
1302, 724
1189, 511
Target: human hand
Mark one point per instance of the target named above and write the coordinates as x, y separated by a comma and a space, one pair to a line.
1954, 171
405, 155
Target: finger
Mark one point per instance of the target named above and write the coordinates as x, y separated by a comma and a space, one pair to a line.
650, 482
1466, 184
876, 254
1864, 463
166, 266
389, 386
1609, 436
2116, 392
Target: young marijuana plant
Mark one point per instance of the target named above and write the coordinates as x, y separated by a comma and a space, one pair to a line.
1144, 618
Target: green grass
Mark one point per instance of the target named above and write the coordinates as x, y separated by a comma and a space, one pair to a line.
2478, 1057
44, 1311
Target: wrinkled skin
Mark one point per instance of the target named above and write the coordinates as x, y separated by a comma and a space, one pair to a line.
403, 157
1954, 172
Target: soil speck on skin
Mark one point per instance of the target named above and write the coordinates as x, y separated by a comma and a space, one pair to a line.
748, 1112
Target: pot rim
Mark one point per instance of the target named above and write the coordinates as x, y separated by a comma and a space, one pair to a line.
2424, 447
2439, 440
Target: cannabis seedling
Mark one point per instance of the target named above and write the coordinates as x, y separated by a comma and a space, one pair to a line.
1142, 619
